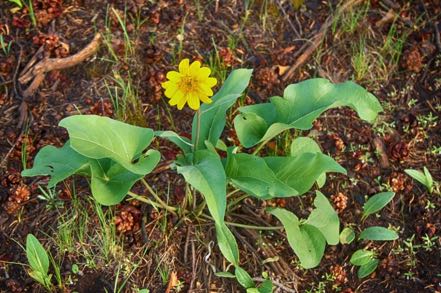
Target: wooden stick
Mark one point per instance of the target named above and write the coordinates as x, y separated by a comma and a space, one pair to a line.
35, 72
316, 40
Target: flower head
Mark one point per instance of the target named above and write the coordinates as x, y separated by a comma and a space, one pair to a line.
191, 85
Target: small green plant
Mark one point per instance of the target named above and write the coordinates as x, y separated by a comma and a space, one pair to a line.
365, 259
38, 260
115, 156
18, 3
6, 46
424, 178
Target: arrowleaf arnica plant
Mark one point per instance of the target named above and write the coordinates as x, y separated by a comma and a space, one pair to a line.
115, 155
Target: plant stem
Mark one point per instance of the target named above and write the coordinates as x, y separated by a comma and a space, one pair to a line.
158, 199
247, 226
260, 146
236, 201
198, 131
232, 192
143, 199
200, 208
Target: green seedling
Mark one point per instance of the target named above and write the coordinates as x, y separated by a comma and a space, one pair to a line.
376, 203
366, 260
38, 260
424, 178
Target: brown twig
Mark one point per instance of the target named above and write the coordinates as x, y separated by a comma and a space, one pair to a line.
35, 72
316, 40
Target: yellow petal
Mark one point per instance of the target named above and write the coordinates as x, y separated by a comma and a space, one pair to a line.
173, 75
181, 102
211, 81
184, 66
166, 85
193, 102
205, 99
176, 98
203, 73
195, 67
171, 90
206, 90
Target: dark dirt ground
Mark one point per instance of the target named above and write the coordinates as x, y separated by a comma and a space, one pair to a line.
267, 37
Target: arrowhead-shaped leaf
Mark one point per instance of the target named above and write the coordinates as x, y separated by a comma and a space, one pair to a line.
251, 174
271, 177
302, 171
58, 163
110, 181
99, 137
301, 105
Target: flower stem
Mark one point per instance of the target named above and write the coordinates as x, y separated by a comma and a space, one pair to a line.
158, 199
198, 130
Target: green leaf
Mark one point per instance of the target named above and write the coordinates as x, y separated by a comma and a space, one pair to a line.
302, 171
266, 287
377, 202
59, 163
417, 175
306, 240
111, 182
423, 178
43, 279
99, 137
244, 278
225, 275
429, 179
303, 145
324, 218
182, 142
301, 105
271, 177
227, 243
17, 2
204, 171
251, 174
36, 254
361, 257
213, 119
368, 268
347, 236
377, 233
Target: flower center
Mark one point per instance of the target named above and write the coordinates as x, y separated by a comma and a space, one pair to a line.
188, 84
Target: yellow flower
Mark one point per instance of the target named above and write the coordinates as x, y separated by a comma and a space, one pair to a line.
191, 85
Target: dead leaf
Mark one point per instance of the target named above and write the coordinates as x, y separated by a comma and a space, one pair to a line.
172, 282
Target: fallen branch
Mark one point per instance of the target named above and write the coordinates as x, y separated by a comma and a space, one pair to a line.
316, 40
34, 71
